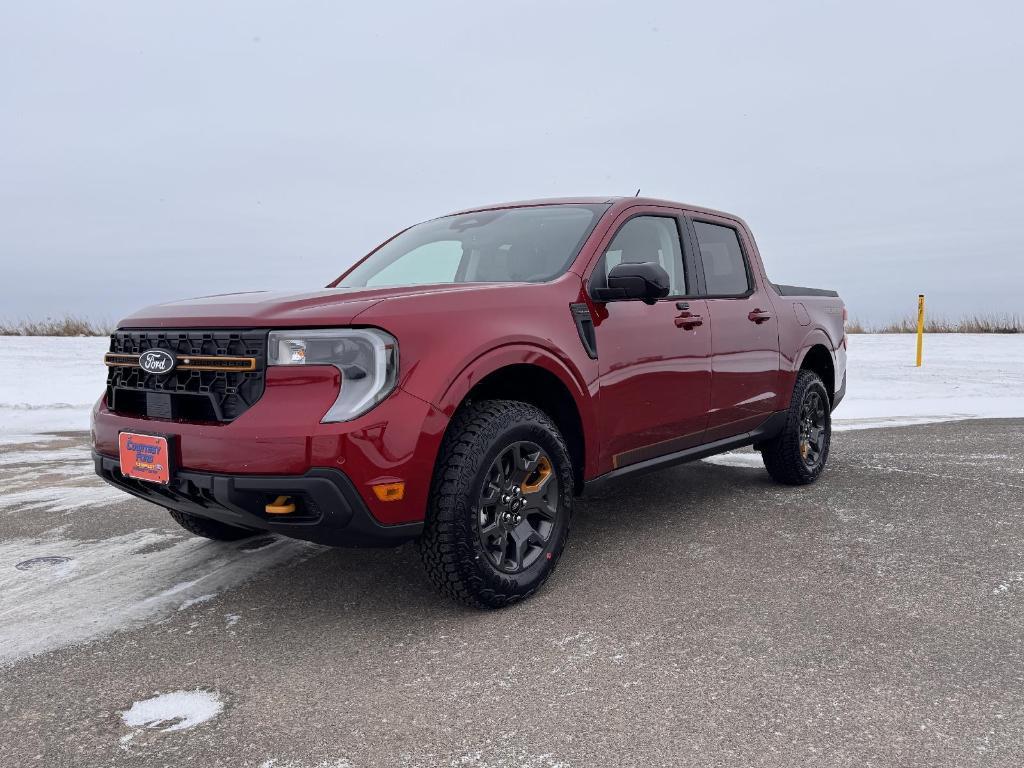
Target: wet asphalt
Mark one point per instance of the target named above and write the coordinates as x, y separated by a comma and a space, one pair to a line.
701, 616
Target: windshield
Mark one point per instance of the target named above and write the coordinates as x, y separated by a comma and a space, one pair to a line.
524, 245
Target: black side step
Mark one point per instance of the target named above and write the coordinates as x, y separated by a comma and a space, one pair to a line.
767, 430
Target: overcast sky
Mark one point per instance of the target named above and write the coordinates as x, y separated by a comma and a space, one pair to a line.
151, 151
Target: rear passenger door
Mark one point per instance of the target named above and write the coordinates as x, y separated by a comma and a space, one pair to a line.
745, 376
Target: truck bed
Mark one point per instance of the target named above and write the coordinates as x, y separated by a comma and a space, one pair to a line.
796, 290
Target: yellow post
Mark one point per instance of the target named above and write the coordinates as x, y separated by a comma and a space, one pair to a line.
920, 326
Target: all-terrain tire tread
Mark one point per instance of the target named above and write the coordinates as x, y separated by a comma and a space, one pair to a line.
781, 454
445, 546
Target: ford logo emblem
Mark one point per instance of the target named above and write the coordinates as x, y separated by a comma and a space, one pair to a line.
157, 361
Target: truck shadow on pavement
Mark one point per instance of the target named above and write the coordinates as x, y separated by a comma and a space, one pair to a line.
629, 521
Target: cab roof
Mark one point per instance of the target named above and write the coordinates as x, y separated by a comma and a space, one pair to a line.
618, 202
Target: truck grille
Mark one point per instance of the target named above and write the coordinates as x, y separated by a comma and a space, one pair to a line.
218, 376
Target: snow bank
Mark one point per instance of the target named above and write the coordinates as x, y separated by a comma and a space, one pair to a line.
964, 376
49, 384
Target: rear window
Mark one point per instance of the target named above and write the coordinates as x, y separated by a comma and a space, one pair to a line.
725, 271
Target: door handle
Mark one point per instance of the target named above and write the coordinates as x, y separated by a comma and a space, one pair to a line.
687, 320
759, 316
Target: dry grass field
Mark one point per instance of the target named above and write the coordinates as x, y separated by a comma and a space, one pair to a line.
69, 325
967, 324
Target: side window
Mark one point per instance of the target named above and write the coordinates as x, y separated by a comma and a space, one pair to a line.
725, 272
645, 238
434, 262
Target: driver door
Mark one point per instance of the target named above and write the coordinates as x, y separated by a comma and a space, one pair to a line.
654, 371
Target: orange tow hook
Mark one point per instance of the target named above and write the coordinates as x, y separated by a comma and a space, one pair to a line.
283, 505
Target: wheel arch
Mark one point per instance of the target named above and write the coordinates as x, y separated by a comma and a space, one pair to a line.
531, 375
819, 358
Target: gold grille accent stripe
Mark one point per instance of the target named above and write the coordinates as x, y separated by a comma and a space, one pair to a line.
195, 362
127, 361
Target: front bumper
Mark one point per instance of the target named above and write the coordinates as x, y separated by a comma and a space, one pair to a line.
329, 510
281, 436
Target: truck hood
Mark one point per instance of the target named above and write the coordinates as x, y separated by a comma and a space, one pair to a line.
256, 309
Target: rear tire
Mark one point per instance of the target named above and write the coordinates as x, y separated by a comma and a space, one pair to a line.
500, 505
798, 454
210, 529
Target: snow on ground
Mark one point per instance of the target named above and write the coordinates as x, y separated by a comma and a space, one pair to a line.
964, 376
60, 497
56, 591
49, 384
53, 476
182, 709
737, 459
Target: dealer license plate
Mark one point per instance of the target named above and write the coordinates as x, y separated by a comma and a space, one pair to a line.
145, 457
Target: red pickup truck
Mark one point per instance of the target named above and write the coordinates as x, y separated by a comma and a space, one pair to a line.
462, 383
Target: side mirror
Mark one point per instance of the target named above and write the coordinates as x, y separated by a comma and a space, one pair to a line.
645, 280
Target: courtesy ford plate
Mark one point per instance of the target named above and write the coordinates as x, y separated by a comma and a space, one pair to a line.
145, 457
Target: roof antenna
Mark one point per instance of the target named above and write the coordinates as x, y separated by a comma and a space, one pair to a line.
637, 192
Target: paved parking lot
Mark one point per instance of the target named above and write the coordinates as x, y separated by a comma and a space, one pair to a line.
701, 616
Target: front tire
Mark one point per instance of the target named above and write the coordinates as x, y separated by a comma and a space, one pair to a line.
500, 505
797, 455
210, 529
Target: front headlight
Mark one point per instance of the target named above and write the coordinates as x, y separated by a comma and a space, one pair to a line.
366, 357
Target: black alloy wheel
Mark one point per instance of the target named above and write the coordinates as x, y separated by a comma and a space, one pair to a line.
797, 455
518, 507
812, 428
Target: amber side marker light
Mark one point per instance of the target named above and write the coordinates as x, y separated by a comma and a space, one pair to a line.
282, 505
389, 491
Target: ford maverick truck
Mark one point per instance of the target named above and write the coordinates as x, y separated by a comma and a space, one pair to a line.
464, 382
